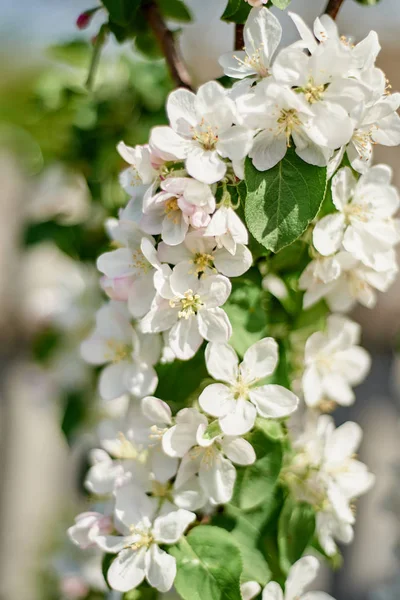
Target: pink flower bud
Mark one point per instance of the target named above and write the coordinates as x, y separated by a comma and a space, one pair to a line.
84, 18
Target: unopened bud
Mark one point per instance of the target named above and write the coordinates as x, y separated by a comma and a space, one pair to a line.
84, 18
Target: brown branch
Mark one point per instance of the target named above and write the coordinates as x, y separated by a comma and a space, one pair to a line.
167, 44
239, 39
333, 8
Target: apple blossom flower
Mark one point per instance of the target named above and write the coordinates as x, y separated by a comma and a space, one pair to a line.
181, 202
347, 281
237, 401
199, 256
202, 132
190, 311
325, 474
262, 34
142, 530
280, 116
301, 574
227, 228
130, 354
208, 455
130, 269
334, 363
144, 169
364, 223
87, 526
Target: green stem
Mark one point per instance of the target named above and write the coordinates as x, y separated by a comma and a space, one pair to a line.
98, 45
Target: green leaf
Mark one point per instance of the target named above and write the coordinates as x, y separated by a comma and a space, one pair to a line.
209, 565
147, 44
236, 11
246, 312
282, 4
255, 567
257, 482
282, 201
295, 531
105, 565
368, 2
121, 12
272, 429
175, 10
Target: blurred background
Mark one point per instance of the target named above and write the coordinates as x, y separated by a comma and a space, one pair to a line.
59, 174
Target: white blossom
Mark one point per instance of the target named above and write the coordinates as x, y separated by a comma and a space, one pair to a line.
238, 400
334, 363
130, 269
208, 455
142, 530
190, 311
300, 575
227, 228
202, 132
364, 223
262, 34
130, 354
199, 255
343, 281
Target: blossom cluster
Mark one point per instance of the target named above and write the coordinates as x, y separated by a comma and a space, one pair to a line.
175, 248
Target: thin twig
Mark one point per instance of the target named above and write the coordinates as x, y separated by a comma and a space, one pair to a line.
239, 39
333, 8
167, 44
98, 45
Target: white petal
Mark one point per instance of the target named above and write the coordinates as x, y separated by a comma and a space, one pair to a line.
181, 111
312, 386
214, 290
273, 401
184, 338
240, 420
267, 150
343, 443
337, 389
238, 450
222, 362
343, 186
140, 379
214, 325
262, 32
112, 382
127, 570
111, 543
156, 410
328, 234
233, 266
171, 527
168, 142
218, 479
250, 590
259, 360
182, 436
235, 143
217, 400
301, 574
132, 506
272, 591
205, 165
160, 569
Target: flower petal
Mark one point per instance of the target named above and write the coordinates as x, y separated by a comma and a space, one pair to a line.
184, 338
218, 479
259, 360
273, 401
217, 400
214, 325
301, 574
222, 362
240, 420
238, 450
127, 570
170, 528
160, 568
328, 234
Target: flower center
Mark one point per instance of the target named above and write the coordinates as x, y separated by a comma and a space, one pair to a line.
145, 540
206, 135
288, 121
240, 389
156, 433
117, 351
362, 140
312, 92
202, 262
356, 211
255, 62
160, 490
127, 450
190, 304
171, 206
140, 262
